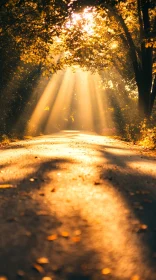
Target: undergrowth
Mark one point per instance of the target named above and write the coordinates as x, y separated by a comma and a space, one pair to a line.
148, 134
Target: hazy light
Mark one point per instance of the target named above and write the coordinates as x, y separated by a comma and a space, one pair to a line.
61, 104
47, 98
71, 100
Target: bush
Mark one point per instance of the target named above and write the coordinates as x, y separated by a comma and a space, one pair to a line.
148, 134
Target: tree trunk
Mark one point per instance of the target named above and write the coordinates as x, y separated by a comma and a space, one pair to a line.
153, 96
144, 102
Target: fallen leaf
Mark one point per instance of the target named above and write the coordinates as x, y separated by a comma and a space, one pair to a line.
3, 277
76, 239
42, 260
7, 186
31, 179
38, 268
135, 277
106, 271
65, 234
20, 273
143, 226
77, 232
52, 237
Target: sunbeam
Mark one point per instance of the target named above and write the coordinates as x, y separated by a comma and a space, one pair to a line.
46, 100
59, 112
72, 100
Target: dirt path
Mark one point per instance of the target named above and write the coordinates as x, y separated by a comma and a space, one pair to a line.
93, 196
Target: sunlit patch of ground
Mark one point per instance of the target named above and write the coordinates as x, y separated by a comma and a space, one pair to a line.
83, 180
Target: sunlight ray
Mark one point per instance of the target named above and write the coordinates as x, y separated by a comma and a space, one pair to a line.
101, 103
60, 111
39, 115
84, 108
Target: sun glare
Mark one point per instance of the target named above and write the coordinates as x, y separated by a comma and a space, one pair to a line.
84, 19
114, 45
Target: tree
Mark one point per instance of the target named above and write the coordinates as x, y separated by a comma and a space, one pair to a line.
32, 25
133, 23
41, 31
142, 54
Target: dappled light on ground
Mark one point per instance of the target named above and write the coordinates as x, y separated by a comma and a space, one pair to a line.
82, 190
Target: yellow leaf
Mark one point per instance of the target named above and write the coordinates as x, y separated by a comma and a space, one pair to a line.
106, 271
76, 239
52, 237
38, 268
42, 260
6, 186
31, 179
65, 234
143, 226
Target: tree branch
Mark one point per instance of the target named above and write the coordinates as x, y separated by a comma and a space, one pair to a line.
132, 48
